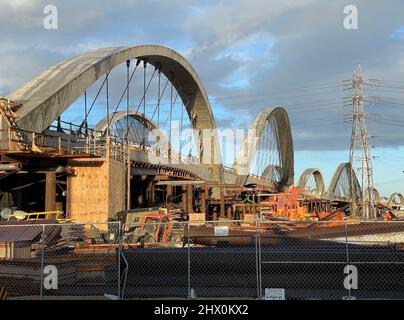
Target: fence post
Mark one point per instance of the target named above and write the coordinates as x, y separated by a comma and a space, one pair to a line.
347, 252
258, 258
260, 255
119, 258
42, 260
189, 261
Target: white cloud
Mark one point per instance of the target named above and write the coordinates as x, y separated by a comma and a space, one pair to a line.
17, 4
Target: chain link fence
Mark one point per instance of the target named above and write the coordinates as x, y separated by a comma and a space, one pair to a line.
226, 259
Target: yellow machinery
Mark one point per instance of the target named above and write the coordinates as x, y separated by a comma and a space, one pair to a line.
49, 215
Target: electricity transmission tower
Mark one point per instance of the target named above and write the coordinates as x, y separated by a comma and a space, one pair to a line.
359, 155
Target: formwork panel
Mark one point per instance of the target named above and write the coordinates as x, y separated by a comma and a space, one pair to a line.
96, 192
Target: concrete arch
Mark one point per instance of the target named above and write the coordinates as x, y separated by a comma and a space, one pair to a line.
45, 97
243, 163
346, 166
375, 195
318, 177
102, 125
392, 197
270, 169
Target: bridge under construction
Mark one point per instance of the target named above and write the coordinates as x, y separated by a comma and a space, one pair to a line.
128, 159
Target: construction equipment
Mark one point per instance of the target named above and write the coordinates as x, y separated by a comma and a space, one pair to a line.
389, 216
157, 226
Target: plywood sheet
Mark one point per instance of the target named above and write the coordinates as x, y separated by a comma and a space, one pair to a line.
97, 190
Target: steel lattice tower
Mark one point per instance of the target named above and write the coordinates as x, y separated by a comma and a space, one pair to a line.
359, 156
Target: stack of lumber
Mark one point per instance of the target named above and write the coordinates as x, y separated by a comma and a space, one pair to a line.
60, 239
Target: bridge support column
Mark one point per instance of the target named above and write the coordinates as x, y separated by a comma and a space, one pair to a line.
189, 199
222, 203
184, 197
214, 214
50, 191
169, 193
203, 201
150, 193
229, 213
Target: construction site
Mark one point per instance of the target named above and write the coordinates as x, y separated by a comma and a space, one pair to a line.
122, 210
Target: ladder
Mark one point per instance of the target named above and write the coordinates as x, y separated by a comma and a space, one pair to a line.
7, 110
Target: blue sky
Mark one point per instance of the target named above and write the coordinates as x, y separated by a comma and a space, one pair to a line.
251, 55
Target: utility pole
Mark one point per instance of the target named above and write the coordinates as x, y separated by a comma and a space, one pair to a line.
359, 156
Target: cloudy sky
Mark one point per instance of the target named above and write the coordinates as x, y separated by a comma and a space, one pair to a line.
251, 55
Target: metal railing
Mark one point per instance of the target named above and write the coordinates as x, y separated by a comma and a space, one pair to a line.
75, 142
55, 215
